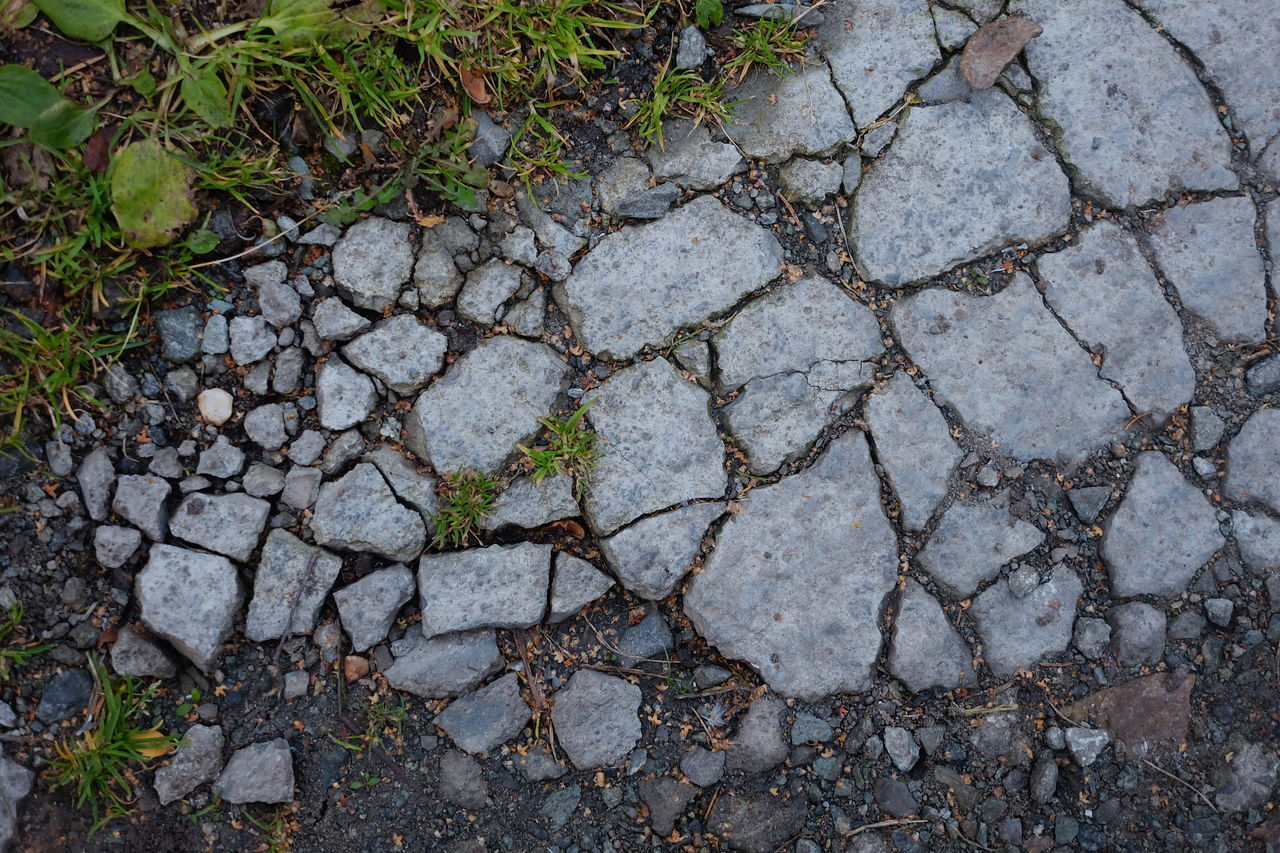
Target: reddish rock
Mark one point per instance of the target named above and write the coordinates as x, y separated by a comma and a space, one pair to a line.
994, 46
355, 667
1149, 714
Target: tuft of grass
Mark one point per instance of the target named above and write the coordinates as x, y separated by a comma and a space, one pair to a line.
466, 497
383, 720
679, 92
537, 147
99, 765
276, 830
771, 42
14, 649
570, 449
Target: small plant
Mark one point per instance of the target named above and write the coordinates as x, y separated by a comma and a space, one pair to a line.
367, 780
708, 13
570, 450
680, 92
537, 146
466, 498
99, 765
210, 811
384, 720
276, 830
771, 42
14, 650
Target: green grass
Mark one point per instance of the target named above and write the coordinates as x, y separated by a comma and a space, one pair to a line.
15, 651
569, 449
384, 719
769, 43
465, 499
681, 92
98, 765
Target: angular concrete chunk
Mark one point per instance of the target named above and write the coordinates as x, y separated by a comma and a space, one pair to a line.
140, 499
653, 555
196, 762
226, 524
400, 351
369, 606
289, 587
576, 584
528, 504
1253, 458
359, 513
597, 718
926, 650
191, 599
344, 396
973, 541
487, 718
495, 587
799, 113
448, 665
1017, 632
372, 262
258, 773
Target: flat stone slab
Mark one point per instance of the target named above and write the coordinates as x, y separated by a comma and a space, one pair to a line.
358, 512
1163, 532
400, 351
1253, 458
798, 577
489, 717
658, 445
189, 598
197, 761
289, 587
140, 499
1011, 371
926, 651
414, 487
1131, 141
1259, 540
344, 395
641, 284
597, 718
779, 117
973, 541
795, 354
528, 504
368, 607
258, 773
651, 556
495, 587
448, 665
690, 158
1103, 289
1018, 631
226, 524
372, 262
962, 180
489, 401
576, 584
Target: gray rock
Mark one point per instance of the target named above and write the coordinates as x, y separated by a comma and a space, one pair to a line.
197, 761
495, 587
133, 654
973, 541
410, 485
1259, 540
488, 717
306, 448
914, 445
1086, 744
758, 745
703, 767
1253, 457
263, 481
1092, 636
651, 556
625, 177
758, 823
926, 651
1263, 376
258, 773
66, 694
690, 158
436, 275
485, 404
597, 718
576, 584
645, 641
95, 477
1187, 625
798, 351
528, 316
666, 799
488, 287
538, 765
358, 512
902, 747
642, 283
1209, 254
221, 459
851, 176
342, 449
225, 524
1137, 633
321, 235
344, 397
905, 224
1138, 336
400, 351
462, 780
780, 117
560, 805
1044, 778
954, 28
1219, 611
822, 577
1162, 533
691, 54
1165, 139
810, 729
180, 333
1011, 371
894, 797
1206, 427
650, 204
252, 339
290, 586
448, 665
658, 445
528, 504
265, 426
288, 373
59, 457
520, 246
809, 182
1088, 501
550, 233
121, 387
1017, 632
1250, 778
279, 303
336, 322
190, 599
166, 463
260, 275
491, 140
553, 265
113, 546
369, 606
372, 262
877, 138
876, 48
140, 499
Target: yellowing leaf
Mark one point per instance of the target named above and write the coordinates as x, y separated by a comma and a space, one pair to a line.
151, 194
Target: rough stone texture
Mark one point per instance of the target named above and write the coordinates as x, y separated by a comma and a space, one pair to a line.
1091, 637
400, 351
702, 766
1253, 457
1011, 371
690, 158
1137, 633
133, 654
1206, 427
180, 333
344, 396
369, 606
993, 47
666, 799
359, 513
1131, 141
914, 445
757, 823
197, 761
139, 499
1149, 714
973, 541
962, 180
1017, 632
336, 322
113, 546
780, 117
876, 48
289, 588
252, 339
487, 287
651, 556
797, 593
258, 773
411, 486
215, 406
279, 303
1252, 775
1103, 289
190, 599
798, 351
225, 524
597, 718
265, 426
1163, 532
372, 261
528, 504
444, 666
809, 182
576, 584
926, 651
642, 283
487, 718
902, 747
1086, 744
1259, 540
95, 476
65, 695
495, 587
658, 445
485, 404
1208, 252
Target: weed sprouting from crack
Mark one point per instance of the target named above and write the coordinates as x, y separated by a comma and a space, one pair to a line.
570, 449
466, 497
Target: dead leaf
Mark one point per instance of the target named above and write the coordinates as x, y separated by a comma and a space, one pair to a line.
474, 85
97, 152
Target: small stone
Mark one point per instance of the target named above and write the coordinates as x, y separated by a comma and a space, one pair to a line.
757, 823
1137, 633
902, 747
494, 587
1092, 636
197, 760
1088, 501
973, 541
1219, 611
262, 481
121, 387
265, 426
258, 773
810, 729
690, 158
140, 499
435, 275
926, 650
133, 654
1018, 632
1086, 744
344, 396
65, 695
538, 765
190, 599
703, 767
289, 587
372, 262
95, 476
251, 339
779, 117
529, 504
1263, 376
559, 806
487, 288
306, 448
491, 140
180, 333
1147, 714
596, 718
666, 800
994, 46
336, 322
359, 512
894, 798
758, 745
301, 487
1259, 540
221, 459
279, 303
1044, 778
462, 780
485, 719
369, 606
447, 665
215, 406
1187, 625
645, 641
1252, 774
113, 546
1253, 457
652, 555
225, 524
296, 684
691, 54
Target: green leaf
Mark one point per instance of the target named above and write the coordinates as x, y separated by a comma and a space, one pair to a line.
151, 194
298, 23
28, 100
88, 20
17, 17
203, 92
144, 83
710, 13
201, 242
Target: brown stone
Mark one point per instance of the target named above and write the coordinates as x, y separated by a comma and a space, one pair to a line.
355, 667
1149, 714
994, 46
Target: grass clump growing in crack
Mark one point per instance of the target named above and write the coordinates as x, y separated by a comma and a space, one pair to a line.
680, 92
771, 42
100, 763
14, 649
570, 449
466, 497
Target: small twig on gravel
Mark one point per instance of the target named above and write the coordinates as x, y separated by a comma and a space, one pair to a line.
976, 712
882, 824
1183, 782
